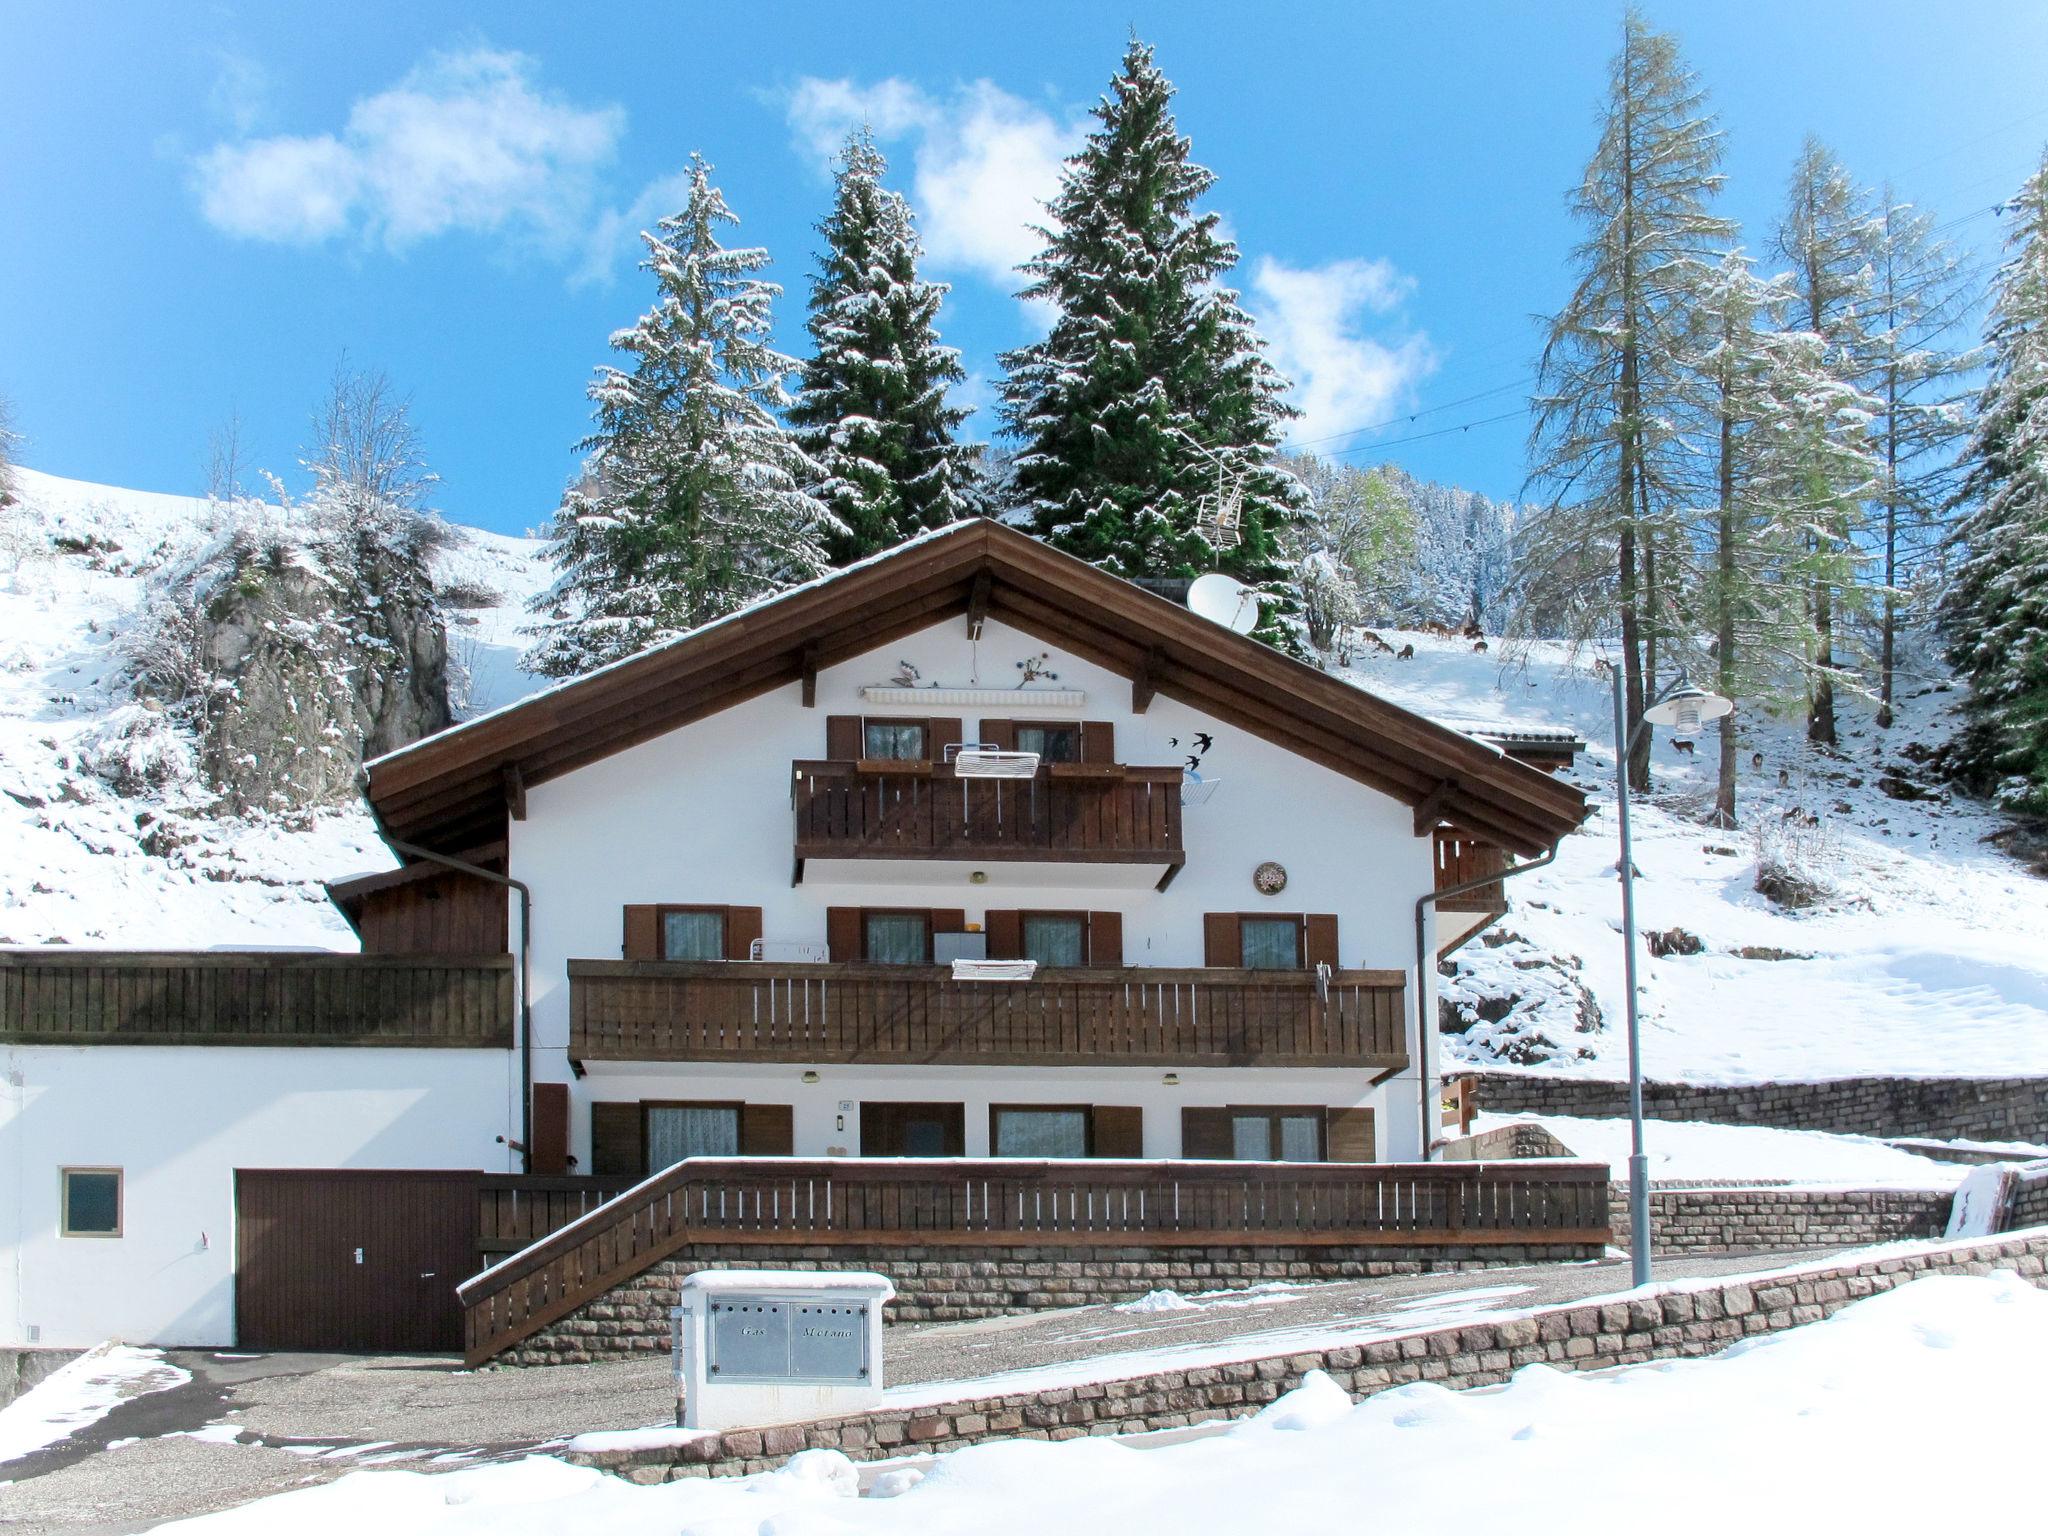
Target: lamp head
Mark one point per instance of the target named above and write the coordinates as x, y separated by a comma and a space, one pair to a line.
1685, 706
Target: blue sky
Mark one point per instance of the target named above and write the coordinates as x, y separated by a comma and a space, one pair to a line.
203, 206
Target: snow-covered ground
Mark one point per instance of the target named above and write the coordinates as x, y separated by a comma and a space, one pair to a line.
83, 864
1689, 1150
1930, 958
1934, 1378
82, 1393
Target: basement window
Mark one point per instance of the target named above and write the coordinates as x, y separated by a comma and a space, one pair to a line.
92, 1202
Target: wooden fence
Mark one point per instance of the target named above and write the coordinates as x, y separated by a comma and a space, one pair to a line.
652, 1010
1067, 812
880, 1203
119, 997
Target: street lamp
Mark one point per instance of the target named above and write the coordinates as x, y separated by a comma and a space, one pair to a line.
1684, 707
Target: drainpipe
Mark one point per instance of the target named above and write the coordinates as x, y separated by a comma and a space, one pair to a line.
1430, 1110
525, 959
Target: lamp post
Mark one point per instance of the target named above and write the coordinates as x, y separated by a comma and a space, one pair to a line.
1684, 707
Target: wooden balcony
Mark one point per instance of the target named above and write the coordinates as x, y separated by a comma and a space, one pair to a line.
119, 997
1067, 813
867, 1208
646, 1010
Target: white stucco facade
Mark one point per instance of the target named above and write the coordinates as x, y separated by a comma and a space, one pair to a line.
702, 815
178, 1121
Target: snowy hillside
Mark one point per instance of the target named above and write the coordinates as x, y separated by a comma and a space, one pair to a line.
1928, 957
82, 864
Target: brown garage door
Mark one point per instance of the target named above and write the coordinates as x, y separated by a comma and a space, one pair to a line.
355, 1260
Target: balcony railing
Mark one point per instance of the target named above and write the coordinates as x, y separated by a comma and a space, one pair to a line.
122, 997
1067, 812
864, 1208
648, 1010
1460, 857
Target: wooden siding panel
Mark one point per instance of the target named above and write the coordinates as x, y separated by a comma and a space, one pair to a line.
616, 1140
1118, 1130
1222, 942
1105, 940
767, 1130
1319, 939
1348, 1134
550, 1128
642, 933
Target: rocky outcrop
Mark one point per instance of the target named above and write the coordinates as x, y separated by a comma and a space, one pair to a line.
292, 657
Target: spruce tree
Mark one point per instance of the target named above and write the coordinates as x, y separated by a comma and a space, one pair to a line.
1920, 292
1612, 377
692, 500
1151, 400
1996, 611
871, 410
1829, 238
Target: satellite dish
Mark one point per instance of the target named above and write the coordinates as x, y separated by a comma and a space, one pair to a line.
1225, 600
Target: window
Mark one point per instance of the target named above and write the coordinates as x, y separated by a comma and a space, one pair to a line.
1270, 1136
1055, 939
92, 1202
1271, 943
896, 740
897, 938
1034, 1132
677, 1131
1052, 743
687, 935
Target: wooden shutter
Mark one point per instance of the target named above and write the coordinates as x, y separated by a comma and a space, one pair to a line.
742, 927
843, 738
616, 1147
948, 920
1098, 741
1348, 1136
842, 934
1319, 940
1222, 941
1000, 734
1205, 1133
1106, 940
549, 1153
767, 1130
939, 735
1117, 1130
643, 933
1005, 931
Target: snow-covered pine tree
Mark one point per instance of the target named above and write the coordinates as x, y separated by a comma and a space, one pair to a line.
1921, 291
1996, 611
1151, 399
871, 408
1605, 440
692, 501
7, 442
1829, 238
1353, 553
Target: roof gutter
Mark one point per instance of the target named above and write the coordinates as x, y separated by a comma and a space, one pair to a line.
1427, 1089
477, 871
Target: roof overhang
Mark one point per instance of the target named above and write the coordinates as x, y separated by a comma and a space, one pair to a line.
456, 789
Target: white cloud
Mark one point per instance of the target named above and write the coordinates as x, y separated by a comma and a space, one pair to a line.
616, 232
1313, 322
240, 96
466, 141
983, 162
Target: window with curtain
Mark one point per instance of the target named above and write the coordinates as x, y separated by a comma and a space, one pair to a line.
1052, 743
897, 740
693, 935
898, 938
1041, 1133
1271, 943
1264, 1136
1055, 941
677, 1131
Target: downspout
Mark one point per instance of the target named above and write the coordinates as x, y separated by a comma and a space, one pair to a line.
1423, 903
462, 866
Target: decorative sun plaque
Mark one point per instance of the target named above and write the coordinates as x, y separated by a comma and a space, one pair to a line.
1269, 879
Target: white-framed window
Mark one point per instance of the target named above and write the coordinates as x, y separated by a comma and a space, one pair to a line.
90, 1202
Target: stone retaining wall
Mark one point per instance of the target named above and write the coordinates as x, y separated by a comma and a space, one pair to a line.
1685, 1320
951, 1283
1725, 1220
2030, 1199
1979, 1109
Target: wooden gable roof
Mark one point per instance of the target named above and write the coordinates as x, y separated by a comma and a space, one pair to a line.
455, 789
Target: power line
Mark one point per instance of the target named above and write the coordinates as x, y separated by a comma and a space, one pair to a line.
1463, 426
1395, 421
